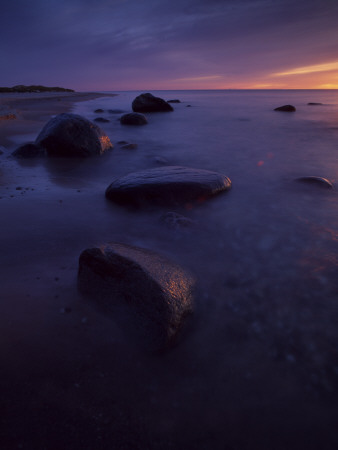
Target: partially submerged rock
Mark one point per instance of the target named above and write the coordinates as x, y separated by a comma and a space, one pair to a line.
73, 135
174, 101
29, 150
133, 119
314, 103
129, 146
101, 119
319, 181
286, 108
148, 103
155, 291
99, 110
115, 111
170, 185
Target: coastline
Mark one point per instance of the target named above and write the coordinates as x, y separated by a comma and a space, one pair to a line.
32, 110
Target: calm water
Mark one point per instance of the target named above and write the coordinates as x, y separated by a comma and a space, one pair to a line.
258, 367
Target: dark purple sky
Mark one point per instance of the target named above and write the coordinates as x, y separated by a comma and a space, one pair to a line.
169, 44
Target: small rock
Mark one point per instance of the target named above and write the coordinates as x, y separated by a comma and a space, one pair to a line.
101, 119
174, 101
314, 103
129, 146
115, 111
133, 119
98, 111
286, 108
319, 181
122, 142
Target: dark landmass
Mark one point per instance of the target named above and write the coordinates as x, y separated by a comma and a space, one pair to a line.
34, 88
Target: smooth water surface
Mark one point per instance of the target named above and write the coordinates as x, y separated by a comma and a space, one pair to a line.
258, 364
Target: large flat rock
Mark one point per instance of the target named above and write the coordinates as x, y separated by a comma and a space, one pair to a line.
170, 185
157, 290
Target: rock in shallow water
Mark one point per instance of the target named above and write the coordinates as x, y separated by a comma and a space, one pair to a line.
286, 108
73, 135
170, 185
133, 119
148, 103
319, 181
155, 293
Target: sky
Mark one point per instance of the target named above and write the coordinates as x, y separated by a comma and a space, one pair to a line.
170, 44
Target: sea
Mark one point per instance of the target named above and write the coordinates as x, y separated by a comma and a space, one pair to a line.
257, 366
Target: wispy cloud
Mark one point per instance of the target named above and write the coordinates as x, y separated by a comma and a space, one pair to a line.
205, 78
309, 69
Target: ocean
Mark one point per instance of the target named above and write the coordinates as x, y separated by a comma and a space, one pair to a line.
257, 366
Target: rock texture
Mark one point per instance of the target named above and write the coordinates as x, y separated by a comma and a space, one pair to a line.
319, 181
170, 185
133, 119
148, 103
156, 292
286, 108
73, 135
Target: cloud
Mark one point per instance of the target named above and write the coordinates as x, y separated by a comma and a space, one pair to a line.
326, 67
168, 39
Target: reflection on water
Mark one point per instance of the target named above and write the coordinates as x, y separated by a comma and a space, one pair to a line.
260, 356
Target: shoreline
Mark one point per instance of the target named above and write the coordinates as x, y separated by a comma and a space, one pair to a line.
28, 112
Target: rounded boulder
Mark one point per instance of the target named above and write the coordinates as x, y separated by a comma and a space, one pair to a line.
140, 289
73, 135
149, 103
133, 119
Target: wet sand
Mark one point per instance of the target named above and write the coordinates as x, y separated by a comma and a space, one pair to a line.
252, 370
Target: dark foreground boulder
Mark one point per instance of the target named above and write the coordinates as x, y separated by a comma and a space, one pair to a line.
138, 287
29, 150
73, 135
319, 181
170, 185
286, 108
133, 119
148, 103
